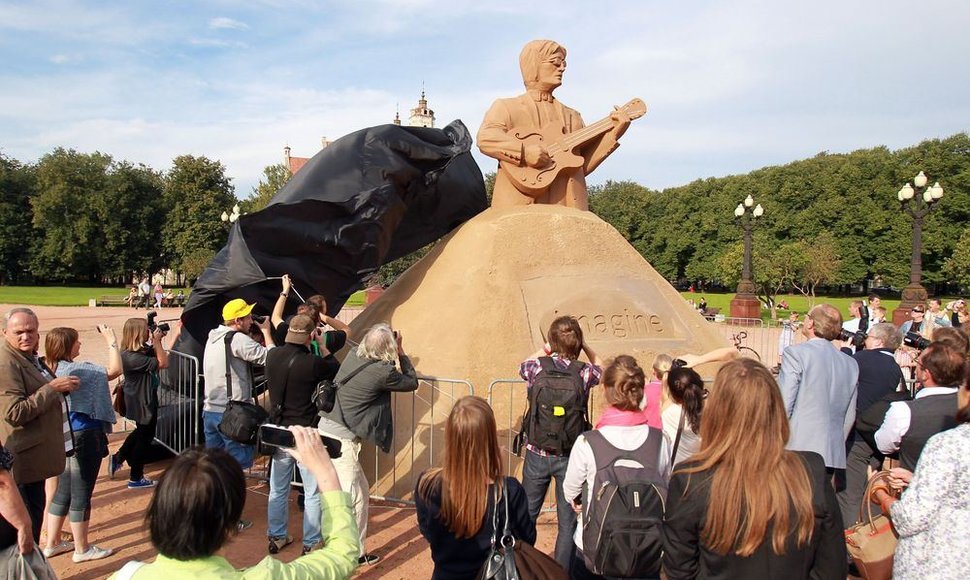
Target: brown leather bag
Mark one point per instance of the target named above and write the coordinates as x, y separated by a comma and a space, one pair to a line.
872, 542
118, 398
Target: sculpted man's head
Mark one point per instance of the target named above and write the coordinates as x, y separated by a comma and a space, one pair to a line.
542, 63
21, 330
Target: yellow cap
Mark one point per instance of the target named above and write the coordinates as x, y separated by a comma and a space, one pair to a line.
236, 308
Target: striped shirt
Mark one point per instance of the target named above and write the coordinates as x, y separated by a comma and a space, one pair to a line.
66, 421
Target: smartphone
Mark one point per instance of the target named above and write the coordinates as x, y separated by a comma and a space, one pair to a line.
276, 436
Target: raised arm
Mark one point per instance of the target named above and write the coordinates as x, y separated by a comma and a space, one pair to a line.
114, 353
277, 316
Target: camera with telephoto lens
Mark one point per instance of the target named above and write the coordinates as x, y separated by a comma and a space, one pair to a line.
916, 340
152, 325
857, 339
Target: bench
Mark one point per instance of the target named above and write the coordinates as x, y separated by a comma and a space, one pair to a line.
113, 300
710, 313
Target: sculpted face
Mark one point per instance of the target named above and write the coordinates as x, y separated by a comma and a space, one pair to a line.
550, 72
21, 333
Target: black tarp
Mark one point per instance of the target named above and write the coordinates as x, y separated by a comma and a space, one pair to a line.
366, 199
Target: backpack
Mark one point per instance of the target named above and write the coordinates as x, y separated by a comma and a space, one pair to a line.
558, 407
623, 517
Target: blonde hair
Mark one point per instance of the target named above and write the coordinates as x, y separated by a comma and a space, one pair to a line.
472, 459
379, 344
58, 345
133, 334
757, 485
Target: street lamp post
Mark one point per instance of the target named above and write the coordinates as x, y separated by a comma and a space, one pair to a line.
745, 303
917, 201
231, 218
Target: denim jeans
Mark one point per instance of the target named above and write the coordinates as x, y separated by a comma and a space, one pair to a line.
76, 484
281, 474
537, 472
241, 452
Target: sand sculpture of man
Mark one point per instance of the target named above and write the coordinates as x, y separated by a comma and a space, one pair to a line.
524, 134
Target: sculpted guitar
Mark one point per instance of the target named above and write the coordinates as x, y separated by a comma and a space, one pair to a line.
561, 148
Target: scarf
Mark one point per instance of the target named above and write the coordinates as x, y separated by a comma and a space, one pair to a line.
613, 417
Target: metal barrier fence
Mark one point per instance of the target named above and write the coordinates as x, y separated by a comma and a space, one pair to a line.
428, 407
179, 404
764, 338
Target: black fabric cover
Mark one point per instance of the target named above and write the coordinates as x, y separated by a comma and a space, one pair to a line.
368, 198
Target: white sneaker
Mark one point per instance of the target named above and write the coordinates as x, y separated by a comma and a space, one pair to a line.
61, 548
93, 553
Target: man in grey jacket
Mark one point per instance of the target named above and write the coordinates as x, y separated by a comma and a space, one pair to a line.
243, 351
818, 385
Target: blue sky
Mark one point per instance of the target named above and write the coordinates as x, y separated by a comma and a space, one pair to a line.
732, 86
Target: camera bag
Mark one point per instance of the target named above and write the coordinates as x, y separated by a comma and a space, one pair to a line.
325, 395
242, 419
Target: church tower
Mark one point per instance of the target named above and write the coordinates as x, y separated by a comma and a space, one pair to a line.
421, 116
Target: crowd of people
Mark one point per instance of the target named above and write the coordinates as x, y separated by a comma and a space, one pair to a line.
753, 476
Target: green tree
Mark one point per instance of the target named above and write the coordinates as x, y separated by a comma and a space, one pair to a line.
197, 191
71, 241
17, 234
273, 180
958, 265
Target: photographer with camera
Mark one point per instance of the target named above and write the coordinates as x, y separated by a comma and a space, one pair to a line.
229, 351
292, 374
908, 424
880, 381
142, 356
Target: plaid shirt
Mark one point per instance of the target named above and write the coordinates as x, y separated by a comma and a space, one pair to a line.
590, 373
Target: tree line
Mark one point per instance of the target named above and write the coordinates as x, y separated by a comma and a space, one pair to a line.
832, 220
86, 218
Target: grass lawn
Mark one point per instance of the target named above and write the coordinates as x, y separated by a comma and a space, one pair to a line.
796, 302
79, 296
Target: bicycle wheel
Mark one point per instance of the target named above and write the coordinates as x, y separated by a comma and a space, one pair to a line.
748, 352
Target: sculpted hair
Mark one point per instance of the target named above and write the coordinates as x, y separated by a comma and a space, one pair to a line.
472, 459
828, 321
378, 344
756, 484
624, 380
197, 504
686, 388
533, 53
944, 363
887, 333
955, 338
133, 334
59, 344
566, 337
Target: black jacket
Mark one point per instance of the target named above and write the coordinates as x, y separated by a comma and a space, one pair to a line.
141, 385
363, 404
298, 382
686, 557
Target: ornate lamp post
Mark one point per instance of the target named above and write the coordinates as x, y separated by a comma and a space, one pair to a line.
917, 201
231, 218
745, 303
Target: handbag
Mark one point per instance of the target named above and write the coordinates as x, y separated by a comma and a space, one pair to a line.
118, 399
325, 395
872, 542
509, 559
241, 420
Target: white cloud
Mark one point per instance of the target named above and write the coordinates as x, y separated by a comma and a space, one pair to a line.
224, 22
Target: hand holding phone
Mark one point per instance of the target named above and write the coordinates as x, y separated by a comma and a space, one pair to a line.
282, 437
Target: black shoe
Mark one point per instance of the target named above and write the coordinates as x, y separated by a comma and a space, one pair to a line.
368, 559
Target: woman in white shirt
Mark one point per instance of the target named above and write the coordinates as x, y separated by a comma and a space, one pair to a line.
624, 426
687, 394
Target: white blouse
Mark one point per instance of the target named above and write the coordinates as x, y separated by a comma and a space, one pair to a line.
690, 442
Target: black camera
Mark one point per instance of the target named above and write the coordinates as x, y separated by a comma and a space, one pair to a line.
916, 340
152, 325
258, 319
857, 339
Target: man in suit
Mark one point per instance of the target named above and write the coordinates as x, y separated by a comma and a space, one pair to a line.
818, 385
33, 410
542, 63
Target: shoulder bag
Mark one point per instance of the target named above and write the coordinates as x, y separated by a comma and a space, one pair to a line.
872, 542
325, 395
241, 420
509, 559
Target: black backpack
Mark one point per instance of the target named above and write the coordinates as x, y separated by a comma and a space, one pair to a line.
558, 407
623, 517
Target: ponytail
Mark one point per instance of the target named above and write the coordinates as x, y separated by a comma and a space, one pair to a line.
687, 389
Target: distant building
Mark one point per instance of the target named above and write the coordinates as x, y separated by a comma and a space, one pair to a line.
421, 116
